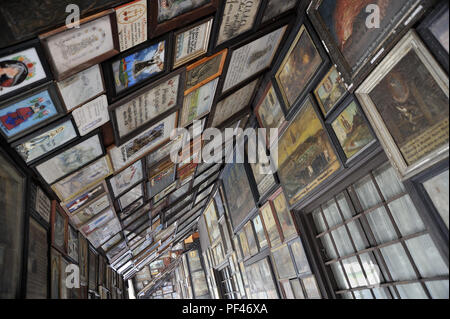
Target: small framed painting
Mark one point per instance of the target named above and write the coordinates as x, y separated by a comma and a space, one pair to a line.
131, 196
71, 50
132, 175
84, 199
132, 69
22, 67
330, 91
51, 138
29, 112
59, 228
132, 23
191, 42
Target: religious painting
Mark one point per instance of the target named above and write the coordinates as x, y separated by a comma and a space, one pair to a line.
168, 9
198, 103
237, 192
281, 210
132, 24
275, 8
137, 66
29, 111
59, 227
72, 244
302, 63
270, 225
55, 274
127, 178
37, 265
22, 67
406, 101
353, 41
70, 160
72, 50
212, 224
306, 157
83, 258
330, 91
435, 32
42, 143
351, 129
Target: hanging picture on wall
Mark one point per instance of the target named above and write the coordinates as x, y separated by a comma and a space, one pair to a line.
275, 8
132, 68
303, 63
261, 280
198, 103
127, 178
42, 143
131, 196
306, 156
59, 228
55, 274
354, 45
84, 198
132, 24
72, 244
81, 87
268, 110
330, 91
22, 67
72, 50
89, 211
37, 268
192, 42
270, 225
351, 129
29, 112
283, 214
406, 101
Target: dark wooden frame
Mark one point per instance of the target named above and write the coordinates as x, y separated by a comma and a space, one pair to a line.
144, 178
302, 26
155, 28
40, 52
91, 250
430, 40
45, 129
119, 140
293, 10
333, 116
46, 37
57, 207
77, 238
142, 184
109, 76
354, 78
52, 91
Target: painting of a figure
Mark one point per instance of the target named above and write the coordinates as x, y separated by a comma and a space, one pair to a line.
305, 155
299, 66
352, 130
413, 107
346, 22
330, 91
26, 113
238, 192
59, 231
168, 9
138, 67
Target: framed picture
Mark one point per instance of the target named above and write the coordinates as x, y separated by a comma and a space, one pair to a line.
251, 239
139, 146
168, 15
351, 130
90, 210
72, 244
37, 270
81, 87
92, 269
84, 198
282, 261
132, 23
45, 141
191, 42
55, 274
160, 177
71, 50
254, 57
29, 111
406, 101
132, 69
261, 280
271, 225
163, 151
198, 103
434, 32
132, 175
204, 71
41, 204
301, 64
284, 217
83, 258
59, 228
330, 91
355, 46
140, 110
275, 8
238, 193
91, 115
74, 184
306, 157
260, 232
22, 67
235, 19
131, 209
211, 222
131, 196
233, 104
76, 156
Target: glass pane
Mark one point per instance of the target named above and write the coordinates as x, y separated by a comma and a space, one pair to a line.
318, 220
297, 289
331, 213
398, 263
438, 289
342, 241
251, 239
300, 257
363, 294
381, 225
284, 216
406, 217
328, 245
194, 261
289, 294
312, 291
347, 295
244, 243
381, 293
437, 189
259, 229
411, 291
371, 268
344, 206
426, 256
358, 235
388, 182
354, 272
367, 193
339, 276
283, 262
271, 225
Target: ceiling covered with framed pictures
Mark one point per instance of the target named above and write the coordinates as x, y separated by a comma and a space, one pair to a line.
89, 105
